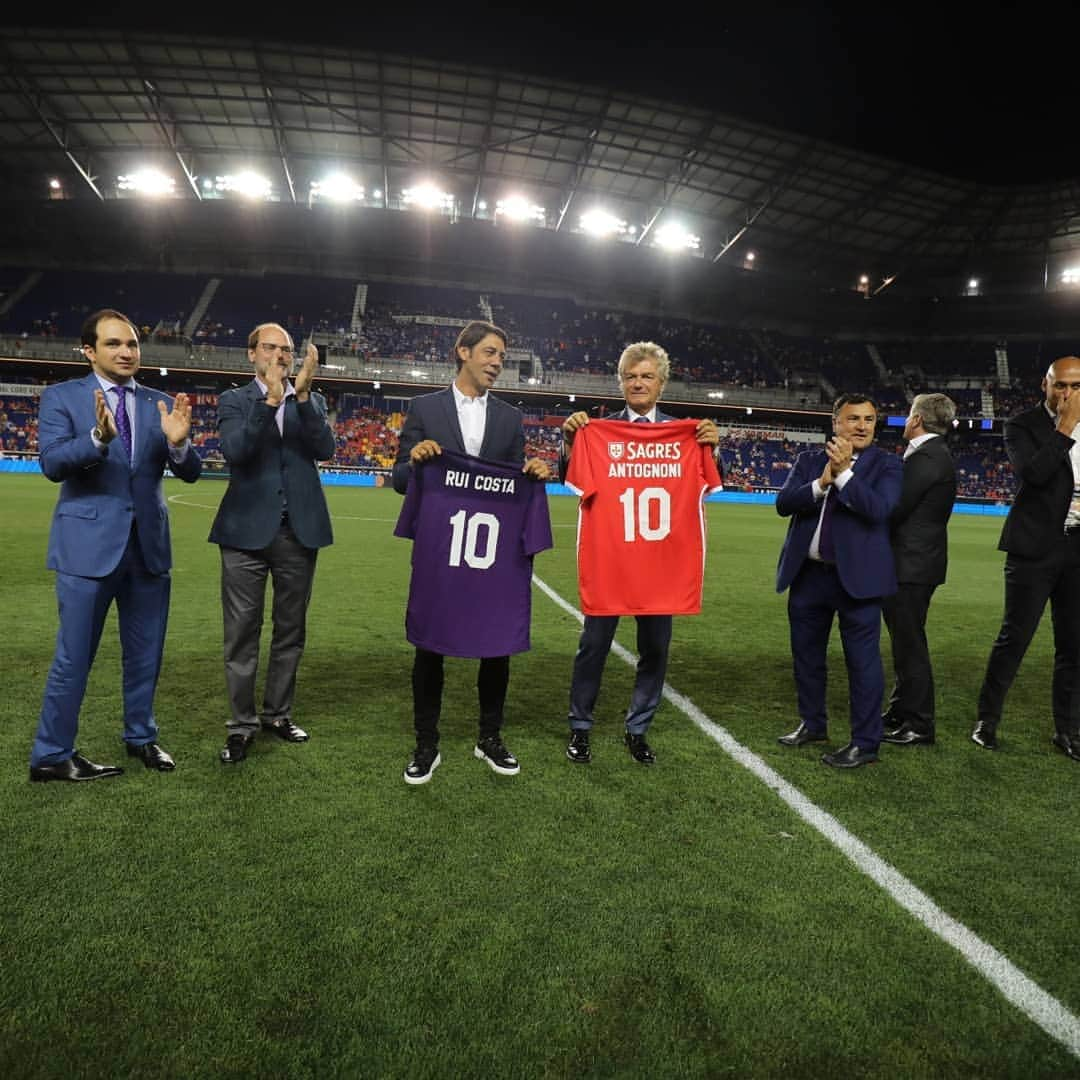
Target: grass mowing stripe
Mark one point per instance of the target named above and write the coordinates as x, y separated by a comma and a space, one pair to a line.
1024, 993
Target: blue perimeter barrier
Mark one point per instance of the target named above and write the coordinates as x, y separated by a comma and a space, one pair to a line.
343, 479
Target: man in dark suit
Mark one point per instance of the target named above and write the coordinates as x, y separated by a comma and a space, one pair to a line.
920, 545
644, 368
109, 440
272, 521
836, 559
466, 418
1041, 538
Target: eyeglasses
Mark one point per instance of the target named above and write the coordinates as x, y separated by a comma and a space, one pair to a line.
270, 347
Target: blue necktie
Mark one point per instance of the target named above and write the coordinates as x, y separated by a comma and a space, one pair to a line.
642, 420
120, 414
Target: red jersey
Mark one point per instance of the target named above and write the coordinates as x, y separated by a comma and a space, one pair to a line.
641, 521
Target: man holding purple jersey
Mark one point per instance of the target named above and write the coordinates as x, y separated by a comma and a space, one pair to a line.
467, 419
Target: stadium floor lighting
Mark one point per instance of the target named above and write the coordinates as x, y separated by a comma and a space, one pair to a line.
427, 197
518, 208
674, 237
599, 222
147, 181
249, 184
337, 187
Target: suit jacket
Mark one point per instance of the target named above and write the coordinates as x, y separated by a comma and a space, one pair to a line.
920, 537
623, 414
270, 471
434, 416
102, 494
1039, 454
864, 558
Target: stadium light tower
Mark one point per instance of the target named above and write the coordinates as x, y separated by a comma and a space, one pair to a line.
147, 181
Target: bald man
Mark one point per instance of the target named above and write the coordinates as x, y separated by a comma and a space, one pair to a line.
1042, 540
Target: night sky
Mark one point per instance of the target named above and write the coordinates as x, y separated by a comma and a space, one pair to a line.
980, 95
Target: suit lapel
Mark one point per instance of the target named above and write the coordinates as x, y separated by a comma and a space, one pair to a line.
449, 407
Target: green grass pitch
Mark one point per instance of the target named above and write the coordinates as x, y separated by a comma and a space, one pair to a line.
309, 915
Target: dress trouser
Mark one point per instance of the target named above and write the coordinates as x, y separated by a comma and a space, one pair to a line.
1029, 583
815, 596
291, 567
912, 699
142, 606
492, 680
653, 643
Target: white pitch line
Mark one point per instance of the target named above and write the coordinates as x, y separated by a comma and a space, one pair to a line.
1031, 999
180, 501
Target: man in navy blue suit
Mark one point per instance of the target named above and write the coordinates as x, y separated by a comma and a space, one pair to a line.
837, 561
464, 417
108, 440
644, 368
271, 523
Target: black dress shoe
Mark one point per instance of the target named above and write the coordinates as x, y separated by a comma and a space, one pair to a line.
236, 748
850, 757
577, 749
285, 729
985, 735
640, 750
1069, 745
905, 735
801, 736
152, 756
75, 768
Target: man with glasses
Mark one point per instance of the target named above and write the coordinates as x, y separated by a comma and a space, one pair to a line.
272, 521
1041, 538
643, 371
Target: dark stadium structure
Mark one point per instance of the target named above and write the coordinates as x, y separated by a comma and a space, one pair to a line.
823, 265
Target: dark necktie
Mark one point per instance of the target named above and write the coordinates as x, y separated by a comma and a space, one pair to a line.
120, 413
826, 545
642, 420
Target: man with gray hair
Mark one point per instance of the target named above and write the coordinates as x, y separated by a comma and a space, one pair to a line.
644, 368
920, 547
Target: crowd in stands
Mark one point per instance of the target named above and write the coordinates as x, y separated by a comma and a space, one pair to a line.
18, 424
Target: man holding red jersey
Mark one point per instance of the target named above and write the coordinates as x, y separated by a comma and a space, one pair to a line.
643, 371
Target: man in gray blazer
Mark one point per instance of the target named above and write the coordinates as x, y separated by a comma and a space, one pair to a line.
920, 546
272, 520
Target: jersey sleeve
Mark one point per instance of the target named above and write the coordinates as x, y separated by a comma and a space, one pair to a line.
537, 532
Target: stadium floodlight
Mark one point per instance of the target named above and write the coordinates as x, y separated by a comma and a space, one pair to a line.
376, 385
749, 411
750, 256
54, 184
482, 204
249, 184
1070, 275
148, 181
598, 222
163, 371
518, 208
674, 237
572, 398
337, 187
427, 196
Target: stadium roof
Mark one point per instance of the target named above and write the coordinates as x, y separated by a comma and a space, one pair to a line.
86, 106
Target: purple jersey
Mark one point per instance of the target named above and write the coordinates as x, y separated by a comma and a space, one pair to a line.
475, 526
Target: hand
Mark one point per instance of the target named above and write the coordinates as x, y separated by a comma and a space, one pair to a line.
537, 469
306, 374
571, 425
839, 451
106, 422
176, 425
424, 451
1068, 414
707, 433
275, 384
